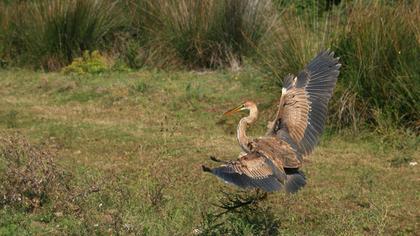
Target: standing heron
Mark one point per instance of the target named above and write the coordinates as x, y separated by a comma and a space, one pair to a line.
273, 162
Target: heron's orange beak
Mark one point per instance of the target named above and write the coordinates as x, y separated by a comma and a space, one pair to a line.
234, 110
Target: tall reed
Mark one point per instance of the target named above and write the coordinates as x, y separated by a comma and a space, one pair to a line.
49, 33
204, 33
379, 48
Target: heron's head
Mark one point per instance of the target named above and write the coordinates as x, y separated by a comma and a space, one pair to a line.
248, 105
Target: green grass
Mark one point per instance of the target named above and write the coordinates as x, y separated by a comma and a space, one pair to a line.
141, 138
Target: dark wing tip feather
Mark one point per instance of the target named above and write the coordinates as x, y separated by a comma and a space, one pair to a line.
295, 181
228, 174
318, 68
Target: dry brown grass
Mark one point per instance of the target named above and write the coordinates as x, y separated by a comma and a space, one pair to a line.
31, 176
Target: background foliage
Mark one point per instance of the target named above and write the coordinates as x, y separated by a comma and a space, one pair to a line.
378, 42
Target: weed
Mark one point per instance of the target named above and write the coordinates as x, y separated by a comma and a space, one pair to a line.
155, 195
194, 92
140, 87
400, 160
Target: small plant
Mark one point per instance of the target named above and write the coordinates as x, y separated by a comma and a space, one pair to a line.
240, 213
140, 87
155, 192
194, 92
400, 160
89, 63
155, 195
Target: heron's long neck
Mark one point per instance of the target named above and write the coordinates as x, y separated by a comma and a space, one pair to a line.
243, 139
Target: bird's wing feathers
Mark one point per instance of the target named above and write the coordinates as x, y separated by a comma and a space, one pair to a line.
280, 151
252, 171
295, 113
303, 104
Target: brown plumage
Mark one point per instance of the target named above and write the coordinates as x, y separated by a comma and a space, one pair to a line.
272, 162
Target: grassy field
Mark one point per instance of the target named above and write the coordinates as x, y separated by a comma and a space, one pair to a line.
132, 144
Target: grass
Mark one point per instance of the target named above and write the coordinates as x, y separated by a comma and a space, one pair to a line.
133, 144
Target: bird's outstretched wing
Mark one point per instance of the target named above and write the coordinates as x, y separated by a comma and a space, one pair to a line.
252, 170
303, 104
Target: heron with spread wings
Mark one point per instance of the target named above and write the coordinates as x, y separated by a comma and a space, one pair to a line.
273, 162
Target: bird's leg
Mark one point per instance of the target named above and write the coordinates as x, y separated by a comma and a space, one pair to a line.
261, 195
205, 168
270, 124
270, 127
213, 158
233, 201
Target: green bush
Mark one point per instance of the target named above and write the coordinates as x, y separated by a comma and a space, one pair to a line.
89, 63
195, 34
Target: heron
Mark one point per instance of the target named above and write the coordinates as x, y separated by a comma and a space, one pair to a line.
273, 162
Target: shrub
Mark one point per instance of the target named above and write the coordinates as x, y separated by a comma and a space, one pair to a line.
89, 63
30, 177
240, 213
